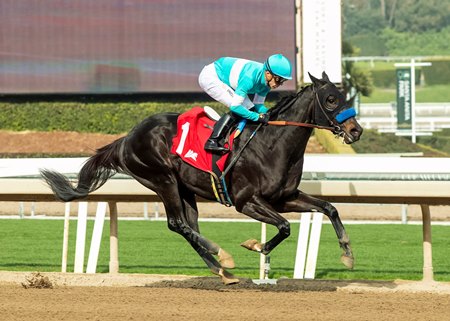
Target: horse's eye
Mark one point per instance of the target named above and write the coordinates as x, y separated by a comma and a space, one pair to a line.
332, 102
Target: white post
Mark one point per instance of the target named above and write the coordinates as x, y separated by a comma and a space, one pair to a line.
308, 246
33, 209
146, 210
298, 43
404, 214
65, 237
262, 257
156, 207
313, 248
81, 237
413, 101
21, 210
96, 237
302, 246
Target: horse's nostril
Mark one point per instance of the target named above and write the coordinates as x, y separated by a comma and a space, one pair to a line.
355, 132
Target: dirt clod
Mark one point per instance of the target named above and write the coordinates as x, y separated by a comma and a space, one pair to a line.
37, 281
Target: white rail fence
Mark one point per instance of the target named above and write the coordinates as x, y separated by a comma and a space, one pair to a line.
429, 116
336, 178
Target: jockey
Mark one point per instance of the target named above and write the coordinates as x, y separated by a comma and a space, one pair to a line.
230, 80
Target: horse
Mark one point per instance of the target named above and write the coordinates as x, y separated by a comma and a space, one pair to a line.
262, 183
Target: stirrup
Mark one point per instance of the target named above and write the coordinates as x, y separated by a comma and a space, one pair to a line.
213, 147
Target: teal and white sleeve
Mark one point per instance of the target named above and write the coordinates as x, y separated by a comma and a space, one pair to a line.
238, 108
259, 104
237, 104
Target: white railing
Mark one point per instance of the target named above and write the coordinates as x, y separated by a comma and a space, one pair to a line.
430, 117
346, 179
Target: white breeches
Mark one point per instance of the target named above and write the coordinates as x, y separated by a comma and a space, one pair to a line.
213, 86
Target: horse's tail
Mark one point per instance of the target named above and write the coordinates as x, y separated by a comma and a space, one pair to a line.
95, 172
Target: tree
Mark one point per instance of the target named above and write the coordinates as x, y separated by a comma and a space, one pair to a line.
422, 15
362, 16
392, 27
353, 77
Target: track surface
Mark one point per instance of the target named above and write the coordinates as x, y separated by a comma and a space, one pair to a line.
161, 298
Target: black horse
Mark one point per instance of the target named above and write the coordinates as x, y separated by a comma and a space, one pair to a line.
262, 184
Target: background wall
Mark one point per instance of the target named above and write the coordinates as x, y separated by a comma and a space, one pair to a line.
106, 46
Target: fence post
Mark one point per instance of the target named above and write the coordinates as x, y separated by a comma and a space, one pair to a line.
96, 237
427, 253
65, 237
307, 252
113, 239
81, 237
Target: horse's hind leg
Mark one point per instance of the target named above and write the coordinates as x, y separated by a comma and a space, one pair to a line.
176, 219
215, 267
307, 203
191, 217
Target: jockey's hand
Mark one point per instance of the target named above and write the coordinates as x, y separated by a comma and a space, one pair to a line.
263, 119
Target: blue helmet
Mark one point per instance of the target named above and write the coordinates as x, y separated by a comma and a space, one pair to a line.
279, 65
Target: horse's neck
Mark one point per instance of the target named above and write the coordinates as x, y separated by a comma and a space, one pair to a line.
289, 141
300, 108
292, 140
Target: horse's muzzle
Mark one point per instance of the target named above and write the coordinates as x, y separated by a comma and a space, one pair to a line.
351, 131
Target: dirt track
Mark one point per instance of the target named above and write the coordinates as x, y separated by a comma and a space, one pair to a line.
206, 299
160, 298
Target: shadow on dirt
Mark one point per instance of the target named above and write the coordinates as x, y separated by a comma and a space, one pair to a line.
282, 285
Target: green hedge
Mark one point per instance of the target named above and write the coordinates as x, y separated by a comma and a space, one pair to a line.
388, 78
374, 142
439, 140
384, 78
331, 144
438, 73
109, 118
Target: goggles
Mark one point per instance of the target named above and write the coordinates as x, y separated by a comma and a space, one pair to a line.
278, 79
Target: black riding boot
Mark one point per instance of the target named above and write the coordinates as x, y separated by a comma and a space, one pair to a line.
221, 127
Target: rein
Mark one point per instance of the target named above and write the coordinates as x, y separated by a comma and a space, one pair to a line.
335, 128
293, 123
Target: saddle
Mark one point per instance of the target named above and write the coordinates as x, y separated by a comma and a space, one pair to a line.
193, 129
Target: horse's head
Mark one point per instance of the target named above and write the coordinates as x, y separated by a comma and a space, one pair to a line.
331, 109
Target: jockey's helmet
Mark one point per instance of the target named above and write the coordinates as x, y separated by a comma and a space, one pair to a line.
279, 65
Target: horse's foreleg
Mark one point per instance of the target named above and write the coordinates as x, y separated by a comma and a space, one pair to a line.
262, 211
307, 203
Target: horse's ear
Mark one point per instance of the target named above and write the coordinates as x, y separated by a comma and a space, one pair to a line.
316, 82
325, 77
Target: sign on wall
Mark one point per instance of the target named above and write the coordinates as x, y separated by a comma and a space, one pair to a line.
321, 39
404, 98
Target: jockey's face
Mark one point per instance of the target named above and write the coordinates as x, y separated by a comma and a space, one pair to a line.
273, 81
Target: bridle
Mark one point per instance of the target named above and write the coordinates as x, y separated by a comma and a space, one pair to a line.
335, 128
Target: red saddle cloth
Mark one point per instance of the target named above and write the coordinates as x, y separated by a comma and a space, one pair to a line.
193, 129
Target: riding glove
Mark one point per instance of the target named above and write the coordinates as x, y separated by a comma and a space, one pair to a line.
263, 118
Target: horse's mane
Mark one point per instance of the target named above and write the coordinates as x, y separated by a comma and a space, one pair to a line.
285, 102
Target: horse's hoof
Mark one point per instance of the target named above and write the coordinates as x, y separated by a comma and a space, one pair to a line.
227, 277
252, 245
225, 259
348, 261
